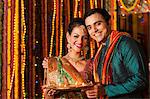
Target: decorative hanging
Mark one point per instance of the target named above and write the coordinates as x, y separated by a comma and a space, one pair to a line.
134, 6
128, 5
16, 46
61, 28
23, 50
53, 30
9, 76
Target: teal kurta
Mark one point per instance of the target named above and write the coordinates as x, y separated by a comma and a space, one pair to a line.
128, 68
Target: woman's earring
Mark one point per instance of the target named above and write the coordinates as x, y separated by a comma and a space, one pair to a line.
69, 47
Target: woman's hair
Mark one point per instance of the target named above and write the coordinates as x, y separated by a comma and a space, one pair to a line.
103, 12
74, 23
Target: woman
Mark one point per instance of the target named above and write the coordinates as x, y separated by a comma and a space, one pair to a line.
71, 69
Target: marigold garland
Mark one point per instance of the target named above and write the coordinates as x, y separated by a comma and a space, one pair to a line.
91, 4
8, 48
128, 9
76, 9
16, 46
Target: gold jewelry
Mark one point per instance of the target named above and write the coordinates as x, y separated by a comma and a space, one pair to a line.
69, 47
75, 59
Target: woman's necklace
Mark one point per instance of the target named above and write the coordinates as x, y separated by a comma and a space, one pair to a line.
75, 59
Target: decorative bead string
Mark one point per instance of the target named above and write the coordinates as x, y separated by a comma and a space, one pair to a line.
130, 8
61, 29
23, 50
139, 6
16, 46
53, 29
9, 76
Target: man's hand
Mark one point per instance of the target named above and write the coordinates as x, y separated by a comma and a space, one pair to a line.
95, 92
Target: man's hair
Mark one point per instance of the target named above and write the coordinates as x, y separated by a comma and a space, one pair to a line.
103, 12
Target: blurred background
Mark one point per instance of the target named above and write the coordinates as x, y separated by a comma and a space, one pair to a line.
33, 29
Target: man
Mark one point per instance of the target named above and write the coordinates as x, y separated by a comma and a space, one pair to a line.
119, 65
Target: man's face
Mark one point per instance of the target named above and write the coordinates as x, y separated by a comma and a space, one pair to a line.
97, 27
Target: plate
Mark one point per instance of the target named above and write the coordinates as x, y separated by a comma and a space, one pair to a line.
71, 88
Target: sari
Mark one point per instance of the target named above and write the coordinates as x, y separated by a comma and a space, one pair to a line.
61, 72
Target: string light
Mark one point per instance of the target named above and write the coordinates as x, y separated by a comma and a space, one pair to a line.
53, 29
61, 30
23, 50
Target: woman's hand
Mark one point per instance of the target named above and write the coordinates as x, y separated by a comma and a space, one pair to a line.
45, 63
51, 92
48, 93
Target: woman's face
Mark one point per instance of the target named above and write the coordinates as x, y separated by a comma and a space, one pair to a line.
78, 38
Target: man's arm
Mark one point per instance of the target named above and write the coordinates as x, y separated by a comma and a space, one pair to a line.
133, 64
